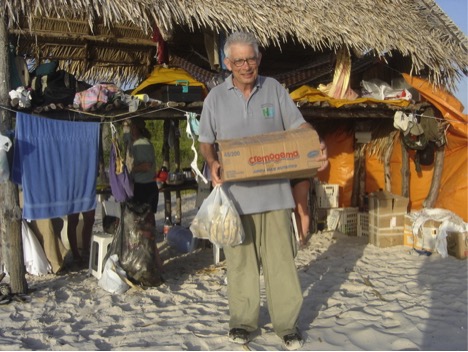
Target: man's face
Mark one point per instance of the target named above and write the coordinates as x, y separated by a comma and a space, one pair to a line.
243, 63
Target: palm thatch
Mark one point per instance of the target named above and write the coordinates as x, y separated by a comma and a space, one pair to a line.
416, 29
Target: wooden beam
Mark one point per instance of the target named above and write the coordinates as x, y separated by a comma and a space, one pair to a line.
79, 37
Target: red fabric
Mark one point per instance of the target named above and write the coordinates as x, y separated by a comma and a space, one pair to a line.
163, 55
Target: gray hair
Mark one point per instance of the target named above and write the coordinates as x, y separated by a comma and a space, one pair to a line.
240, 38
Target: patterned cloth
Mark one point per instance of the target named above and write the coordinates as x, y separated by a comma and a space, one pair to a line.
86, 99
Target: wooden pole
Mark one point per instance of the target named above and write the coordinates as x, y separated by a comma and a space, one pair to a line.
359, 179
10, 212
387, 157
435, 184
405, 174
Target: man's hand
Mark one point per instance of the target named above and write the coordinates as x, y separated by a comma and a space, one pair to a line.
209, 153
323, 156
215, 169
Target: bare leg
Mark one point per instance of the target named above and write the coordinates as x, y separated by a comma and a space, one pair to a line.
88, 223
300, 194
72, 220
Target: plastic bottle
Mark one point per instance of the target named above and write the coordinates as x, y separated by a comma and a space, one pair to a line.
177, 219
167, 226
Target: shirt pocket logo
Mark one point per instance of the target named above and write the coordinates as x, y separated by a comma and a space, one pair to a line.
268, 111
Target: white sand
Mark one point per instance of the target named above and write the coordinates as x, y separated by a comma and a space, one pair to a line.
356, 297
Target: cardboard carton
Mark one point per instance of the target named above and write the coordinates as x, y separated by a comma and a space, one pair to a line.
386, 219
387, 238
285, 154
386, 203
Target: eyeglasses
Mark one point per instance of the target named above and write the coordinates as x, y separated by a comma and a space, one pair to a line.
240, 62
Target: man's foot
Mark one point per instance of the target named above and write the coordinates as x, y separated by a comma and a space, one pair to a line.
239, 335
293, 341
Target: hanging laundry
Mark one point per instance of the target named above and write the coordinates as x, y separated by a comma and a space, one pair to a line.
163, 54
56, 162
405, 122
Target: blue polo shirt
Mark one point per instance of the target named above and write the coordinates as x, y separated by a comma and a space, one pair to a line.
227, 114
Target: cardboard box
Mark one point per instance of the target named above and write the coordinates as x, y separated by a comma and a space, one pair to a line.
387, 210
386, 203
284, 154
385, 237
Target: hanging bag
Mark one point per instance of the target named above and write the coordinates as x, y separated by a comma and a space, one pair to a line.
218, 220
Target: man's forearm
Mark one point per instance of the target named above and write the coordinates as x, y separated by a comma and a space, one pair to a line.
209, 153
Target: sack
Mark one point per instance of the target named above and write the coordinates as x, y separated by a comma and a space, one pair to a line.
218, 220
135, 245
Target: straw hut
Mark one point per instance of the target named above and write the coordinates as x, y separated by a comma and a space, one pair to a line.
115, 41
98, 38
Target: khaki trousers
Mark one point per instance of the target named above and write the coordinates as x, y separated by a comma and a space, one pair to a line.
48, 233
268, 243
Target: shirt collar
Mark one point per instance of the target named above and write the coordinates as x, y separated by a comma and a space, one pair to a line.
230, 84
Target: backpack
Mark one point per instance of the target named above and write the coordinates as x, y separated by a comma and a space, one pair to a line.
55, 87
61, 88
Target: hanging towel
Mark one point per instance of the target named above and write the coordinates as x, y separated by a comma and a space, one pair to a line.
56, 162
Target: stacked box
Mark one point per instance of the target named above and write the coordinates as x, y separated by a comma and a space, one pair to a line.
386, 219
363, 224
327, 195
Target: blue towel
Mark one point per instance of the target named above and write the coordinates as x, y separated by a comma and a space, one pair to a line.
56, 162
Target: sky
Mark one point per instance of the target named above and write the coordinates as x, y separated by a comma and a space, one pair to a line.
457, 10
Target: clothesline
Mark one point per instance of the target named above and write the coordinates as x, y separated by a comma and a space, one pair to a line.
185, 112
123, 117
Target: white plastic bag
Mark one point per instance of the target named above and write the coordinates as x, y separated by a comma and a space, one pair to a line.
5, 145
218, 220
35, 259
112, 276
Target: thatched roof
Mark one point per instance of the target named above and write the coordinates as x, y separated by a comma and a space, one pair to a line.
416, 29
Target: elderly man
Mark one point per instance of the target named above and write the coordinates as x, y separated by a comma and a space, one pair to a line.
248, 104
